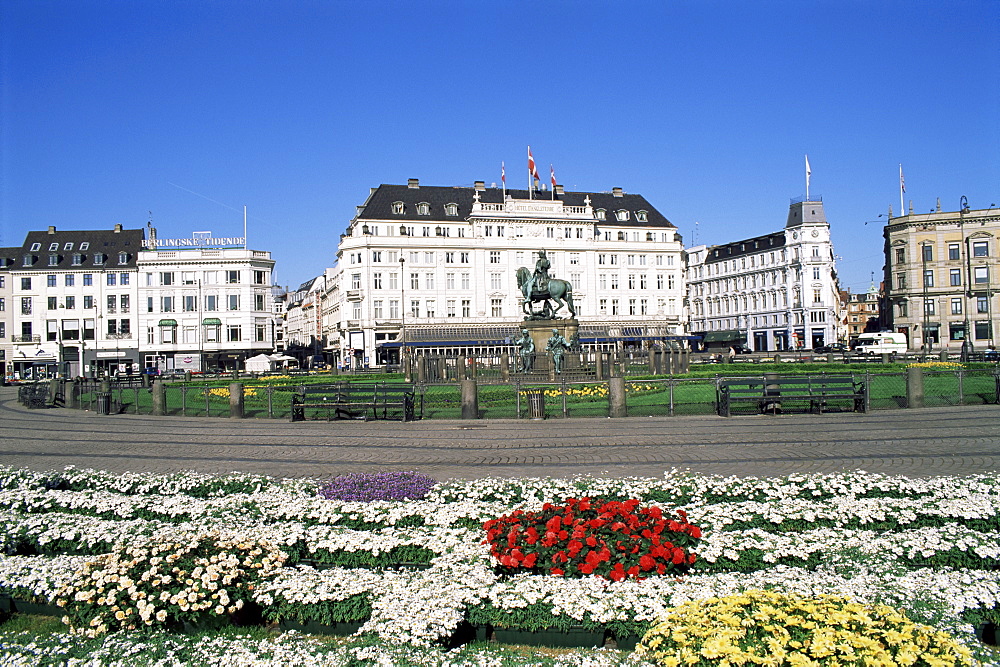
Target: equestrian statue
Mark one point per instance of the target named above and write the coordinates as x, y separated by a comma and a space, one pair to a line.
537, 287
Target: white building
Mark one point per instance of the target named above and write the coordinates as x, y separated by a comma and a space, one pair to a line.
7, 256
73, 295
204, 304
439, 264
772, 292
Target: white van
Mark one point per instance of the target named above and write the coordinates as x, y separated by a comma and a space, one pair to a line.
882, 342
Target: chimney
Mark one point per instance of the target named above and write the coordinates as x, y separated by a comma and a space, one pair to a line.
52, 229
559, 190
413, 183
617, 192
480, 186
118, 228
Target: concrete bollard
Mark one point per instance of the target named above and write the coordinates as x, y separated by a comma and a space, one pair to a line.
651, 359
617, 407
470, 399
914, 387
421, 370
159, 398
235, 400
885, 358
505, 367
72, 394
599, 366
943, 355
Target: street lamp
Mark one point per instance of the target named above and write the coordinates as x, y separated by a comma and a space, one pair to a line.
924, 247
402, 305
963, 208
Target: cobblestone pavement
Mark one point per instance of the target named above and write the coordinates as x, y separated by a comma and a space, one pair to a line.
951, 440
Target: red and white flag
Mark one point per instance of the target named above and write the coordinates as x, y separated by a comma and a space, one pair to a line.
552, 176
532, 171
902, 183
503, 174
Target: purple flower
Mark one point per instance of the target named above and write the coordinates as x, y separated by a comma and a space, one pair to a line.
364, 487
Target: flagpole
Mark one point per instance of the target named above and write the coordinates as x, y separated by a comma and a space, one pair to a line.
552, 178
244, 226
529, 173
807, 178
902, 189
503, 180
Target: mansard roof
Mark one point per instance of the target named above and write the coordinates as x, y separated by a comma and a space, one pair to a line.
380, 204
720, 253
85, 243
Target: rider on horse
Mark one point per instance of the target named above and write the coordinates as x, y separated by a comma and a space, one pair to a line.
540, 279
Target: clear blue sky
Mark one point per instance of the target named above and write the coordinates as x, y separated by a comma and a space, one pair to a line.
191, 109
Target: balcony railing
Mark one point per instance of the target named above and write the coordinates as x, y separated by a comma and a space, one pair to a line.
37, 338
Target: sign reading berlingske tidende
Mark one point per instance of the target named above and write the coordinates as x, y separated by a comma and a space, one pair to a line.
197, 240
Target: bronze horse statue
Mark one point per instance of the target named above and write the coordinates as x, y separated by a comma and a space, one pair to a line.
559, 291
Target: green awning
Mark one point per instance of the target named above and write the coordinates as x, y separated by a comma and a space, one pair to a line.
725, 336
212, 321
168, 323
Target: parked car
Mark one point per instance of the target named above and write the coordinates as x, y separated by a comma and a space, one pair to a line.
838, 348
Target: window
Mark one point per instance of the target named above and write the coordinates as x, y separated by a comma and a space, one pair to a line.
449, 258
377, 309
980, 249
234, 333
27, 260
928, 278
398, 207
927, 252
929, 307
903, 309
631, 307
393, 309
602, 305
642, 216
377, 280
166, 278
981, 275
954, 251
355, 281
449, 281
52, 303
423, 208
112, 304
414, 308
260, 332
232, 277
817, 296
614, 281
955, 276
465, 282
496, 281
956, 306
574, 258
631, 282
77, 259
550, 232
232, 302
496, 307
69, 280
88, 302
431, 307
956, 331
622, 216
260, 277
601, 214
429, 281
167, 303
494, 256
53, 260
614, 306
451, 209
983, 330
190, 304
149, 304
50, 281
70, 303
466, 308
393, 280
99, 258
815, 273
982, 304
900, 281
463, 257
123, 258
211, 302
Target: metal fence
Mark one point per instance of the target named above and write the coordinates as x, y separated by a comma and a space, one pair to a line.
519, 397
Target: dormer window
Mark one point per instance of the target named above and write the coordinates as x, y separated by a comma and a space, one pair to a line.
398, 207
601, 214
98, 258
35, 247
423, 208
451, 209
642, 216
27, 260
621, 215
54, 260
53, 247
84, 245
77, 259
123, 258
68, 246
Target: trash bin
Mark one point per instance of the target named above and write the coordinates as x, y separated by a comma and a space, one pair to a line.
536, 403
104, 402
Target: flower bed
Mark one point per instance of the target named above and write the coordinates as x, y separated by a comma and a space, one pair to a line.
928, 547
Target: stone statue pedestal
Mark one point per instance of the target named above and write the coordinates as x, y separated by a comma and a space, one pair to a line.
540, 332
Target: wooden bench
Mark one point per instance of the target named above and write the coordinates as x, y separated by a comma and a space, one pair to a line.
772, 394
355, 401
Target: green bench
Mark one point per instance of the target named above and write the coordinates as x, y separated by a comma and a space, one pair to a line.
354, 401
776, 393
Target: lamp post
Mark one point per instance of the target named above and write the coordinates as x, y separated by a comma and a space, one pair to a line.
963, 208
402, 306
923, 277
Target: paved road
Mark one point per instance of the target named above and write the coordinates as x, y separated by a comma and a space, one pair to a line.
931, 441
